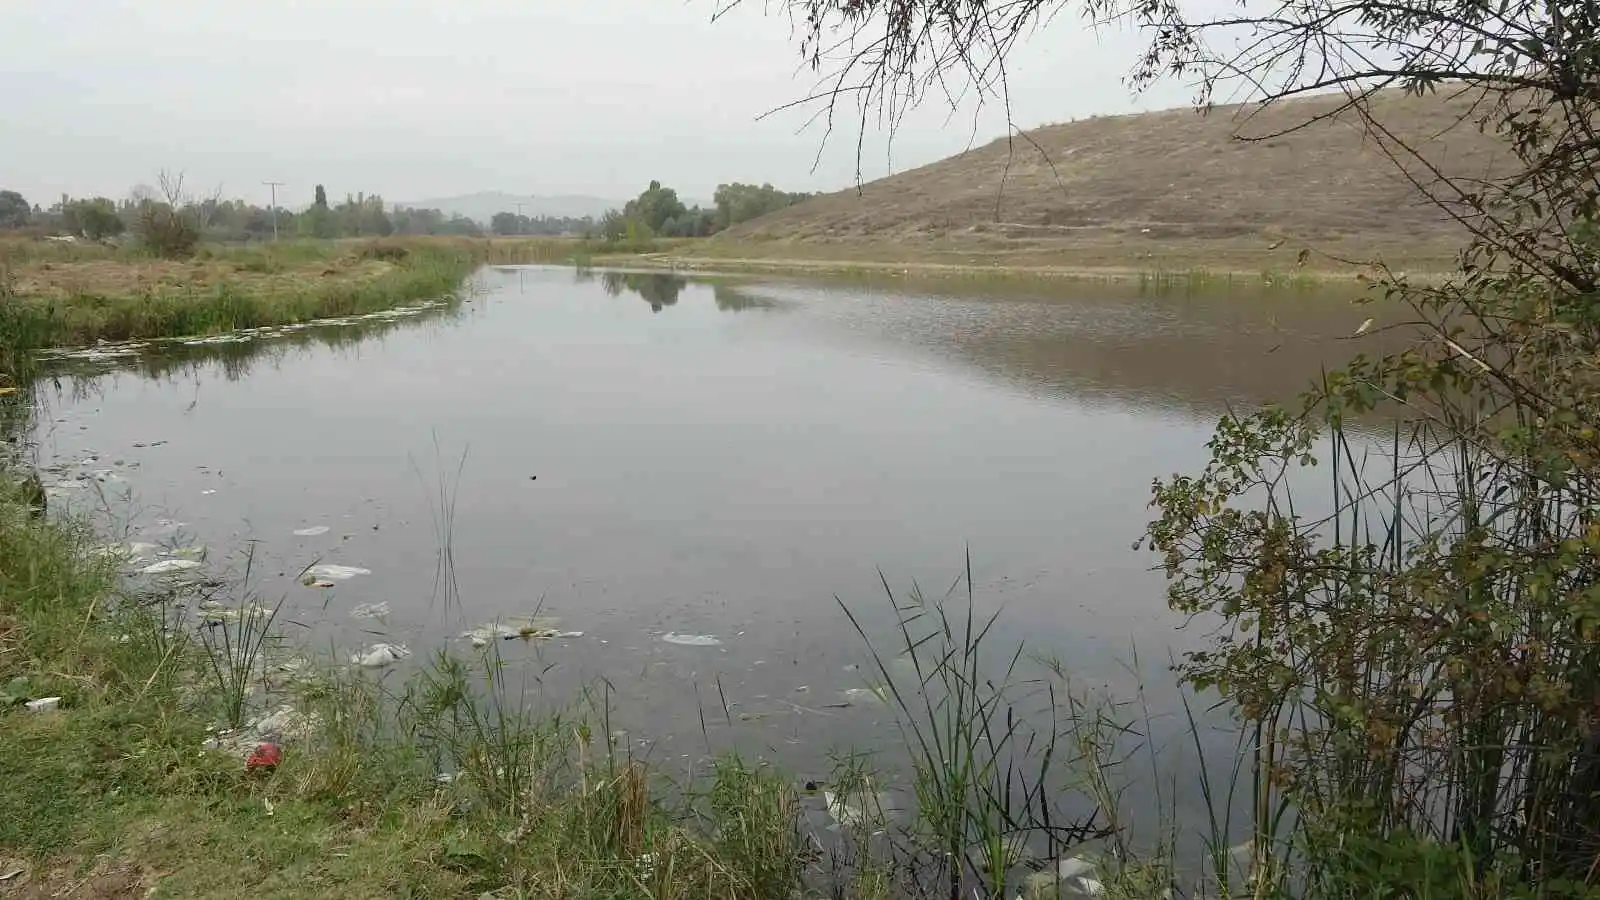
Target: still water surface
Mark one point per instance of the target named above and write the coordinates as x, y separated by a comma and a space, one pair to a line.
638, 455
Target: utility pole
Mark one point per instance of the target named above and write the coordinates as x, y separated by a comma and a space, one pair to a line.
274, 185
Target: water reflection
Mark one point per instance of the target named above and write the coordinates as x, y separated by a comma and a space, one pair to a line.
775, 463
1204, 353
236, 358
662, 290
75, 376
732, 298
658, 290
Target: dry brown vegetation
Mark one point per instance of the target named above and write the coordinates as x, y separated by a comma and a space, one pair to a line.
117, 277
1169, 189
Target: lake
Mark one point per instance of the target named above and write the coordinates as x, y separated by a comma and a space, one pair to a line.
651, 460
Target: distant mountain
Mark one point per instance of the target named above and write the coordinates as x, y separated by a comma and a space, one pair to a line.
482, 206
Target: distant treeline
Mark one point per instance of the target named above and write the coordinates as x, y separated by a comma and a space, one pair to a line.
513, 223
656, 212
214, 218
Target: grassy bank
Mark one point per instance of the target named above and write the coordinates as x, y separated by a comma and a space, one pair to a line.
113, 794
458, 781
54, 295
63, 295
1196, 266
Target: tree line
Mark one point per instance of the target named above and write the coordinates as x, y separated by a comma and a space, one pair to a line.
185, 217
212, 217
658, 212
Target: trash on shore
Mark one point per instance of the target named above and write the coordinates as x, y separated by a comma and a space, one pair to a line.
44, 704
691, 640
867, 696
168, 566
264, 758
379, 655
484, 635
541, 628
215, 612
860, 810
132, 551
286, 724
1074, 876
330, 572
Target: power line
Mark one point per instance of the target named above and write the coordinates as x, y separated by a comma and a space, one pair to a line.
274, 185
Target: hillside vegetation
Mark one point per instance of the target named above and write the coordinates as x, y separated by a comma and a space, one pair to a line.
1165, 188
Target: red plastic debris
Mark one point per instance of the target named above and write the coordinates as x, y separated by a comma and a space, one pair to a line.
264, 758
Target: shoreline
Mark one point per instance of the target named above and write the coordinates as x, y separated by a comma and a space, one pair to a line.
142, 745
1226, 273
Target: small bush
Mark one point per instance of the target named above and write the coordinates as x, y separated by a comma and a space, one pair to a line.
166, 232
385, 252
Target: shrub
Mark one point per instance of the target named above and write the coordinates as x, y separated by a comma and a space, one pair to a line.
386, 252
166, 232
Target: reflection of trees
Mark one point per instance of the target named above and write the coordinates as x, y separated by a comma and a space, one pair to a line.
234, 360
657, 289
731, 299
662, 290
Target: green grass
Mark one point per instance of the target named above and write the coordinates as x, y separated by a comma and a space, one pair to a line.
116, 785
1008, 765
72, 295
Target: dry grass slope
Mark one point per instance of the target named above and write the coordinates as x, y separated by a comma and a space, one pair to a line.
1172, 187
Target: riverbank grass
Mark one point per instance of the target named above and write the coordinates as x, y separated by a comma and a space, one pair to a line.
54, 295
455, 783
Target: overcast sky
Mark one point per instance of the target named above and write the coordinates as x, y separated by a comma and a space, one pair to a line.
413, 99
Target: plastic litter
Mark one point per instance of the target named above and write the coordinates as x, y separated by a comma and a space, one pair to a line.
535, 629
44, 704
214, 612
131, 551
379, 655
294, 670
286, 724
313, 531
264, 758
377, 610
1072, 877
691, 640
861, 809
168, 566
329, 572
486, 634
864, 696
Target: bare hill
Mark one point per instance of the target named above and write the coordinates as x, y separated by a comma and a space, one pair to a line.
1174, 183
